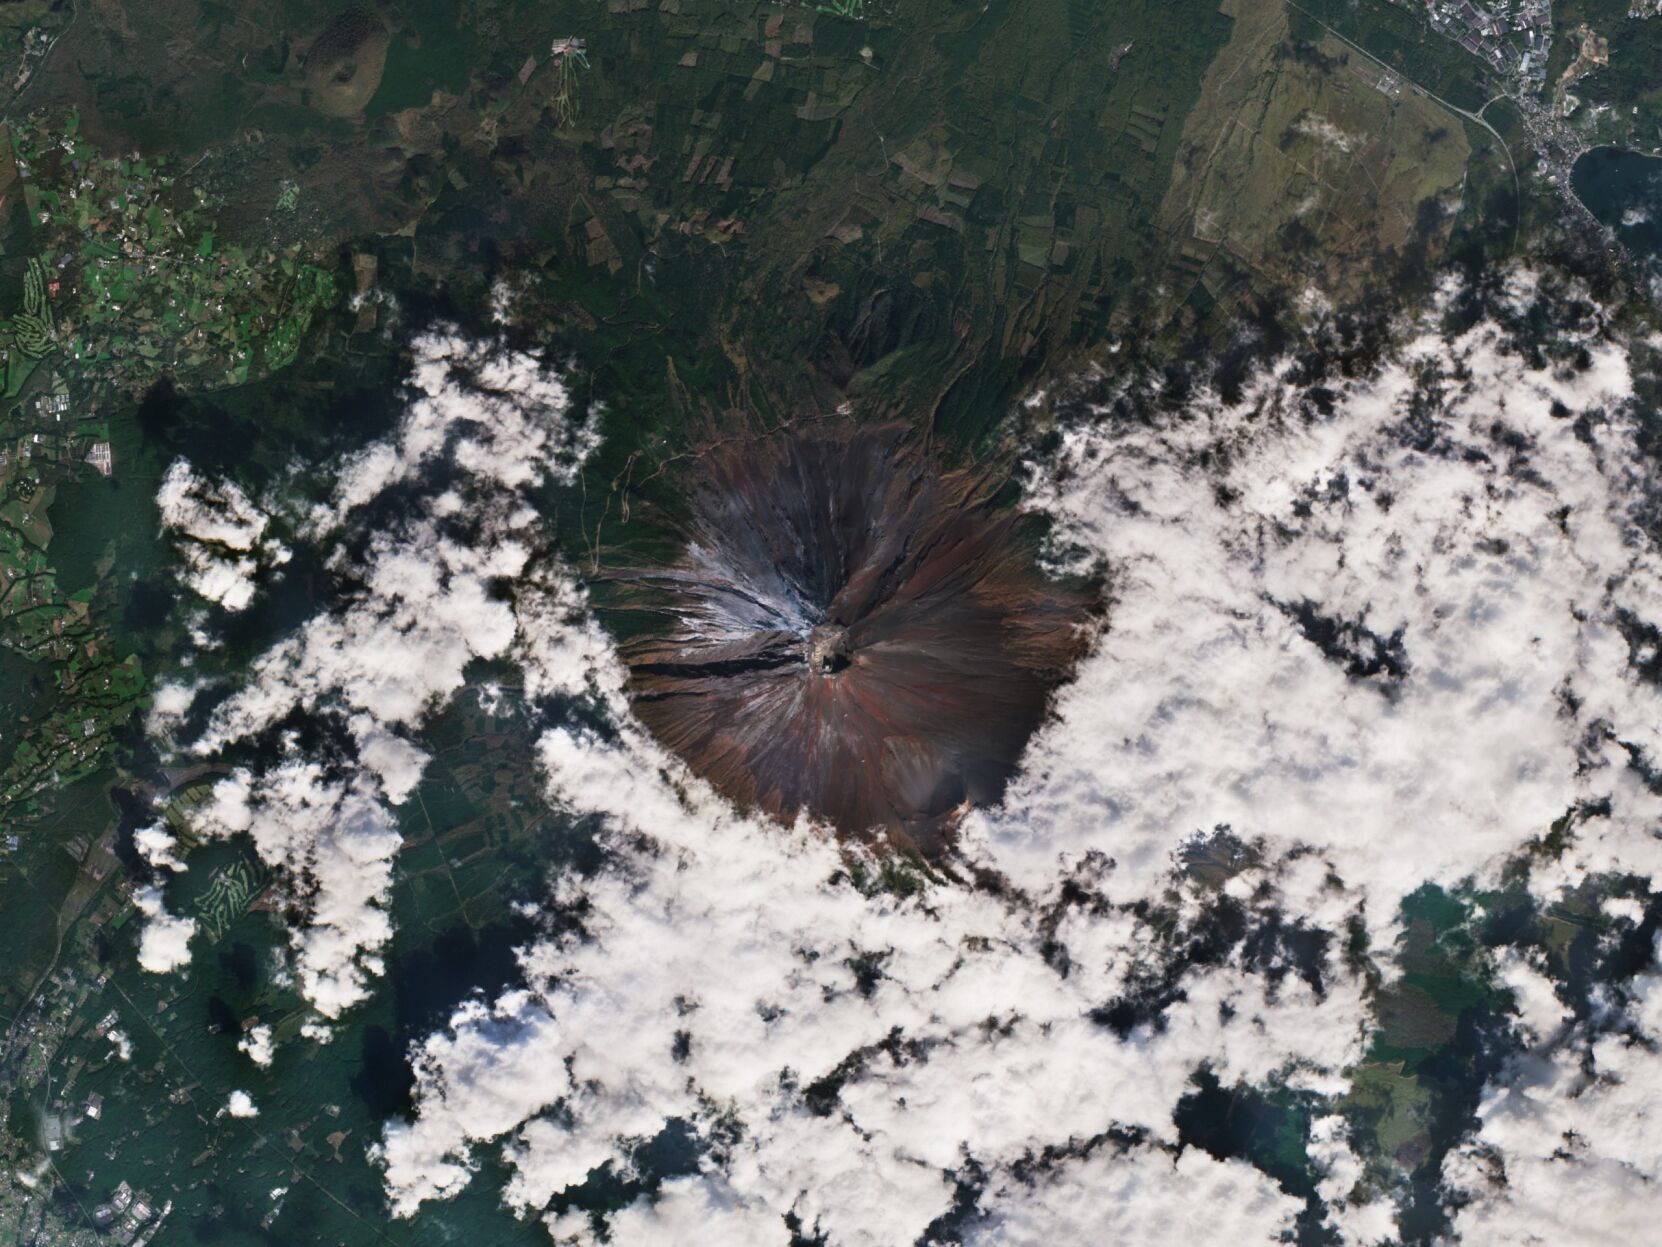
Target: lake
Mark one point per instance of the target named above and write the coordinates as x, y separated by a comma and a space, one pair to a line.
1624, 190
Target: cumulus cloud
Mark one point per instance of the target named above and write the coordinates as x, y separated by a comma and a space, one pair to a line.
1377, 636
219, 533
1358, 1218
1570, 1146
1144, 1197
164, 941
684, 1210
418, 601
493, 1065
256, 1045
335, 841
241, 1104
170, 702
856, 1101
1391, 632
158, 846
1382, 634
499, 415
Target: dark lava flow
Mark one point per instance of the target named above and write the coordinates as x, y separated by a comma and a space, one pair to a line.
851, 629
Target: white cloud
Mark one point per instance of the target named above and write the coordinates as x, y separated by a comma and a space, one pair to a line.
856, 1054
506, 425
317, 1031
639, 1025
221, 514
396, 649
1570, 1147
1539, 1010
1625, 909
492, 1071
256, 1045
157, 845
1463, 520
241, 1104
1143, 1197
685, 1210
418, 602
164, 942
336, 842
170, 702
1359, 1219
1429, 507
219, 533
1315, 126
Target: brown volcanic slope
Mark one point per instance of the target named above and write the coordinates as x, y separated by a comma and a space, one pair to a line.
853, 630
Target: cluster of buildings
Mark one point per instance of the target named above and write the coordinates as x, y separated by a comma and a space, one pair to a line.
1512, 36
54, 405
43, 1024
129, 1217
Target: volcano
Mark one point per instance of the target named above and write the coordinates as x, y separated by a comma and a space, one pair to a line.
851, 629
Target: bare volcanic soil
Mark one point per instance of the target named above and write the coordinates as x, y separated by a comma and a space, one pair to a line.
852, 630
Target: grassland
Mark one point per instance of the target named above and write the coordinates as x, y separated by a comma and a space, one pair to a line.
1402, 40
1308, 163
